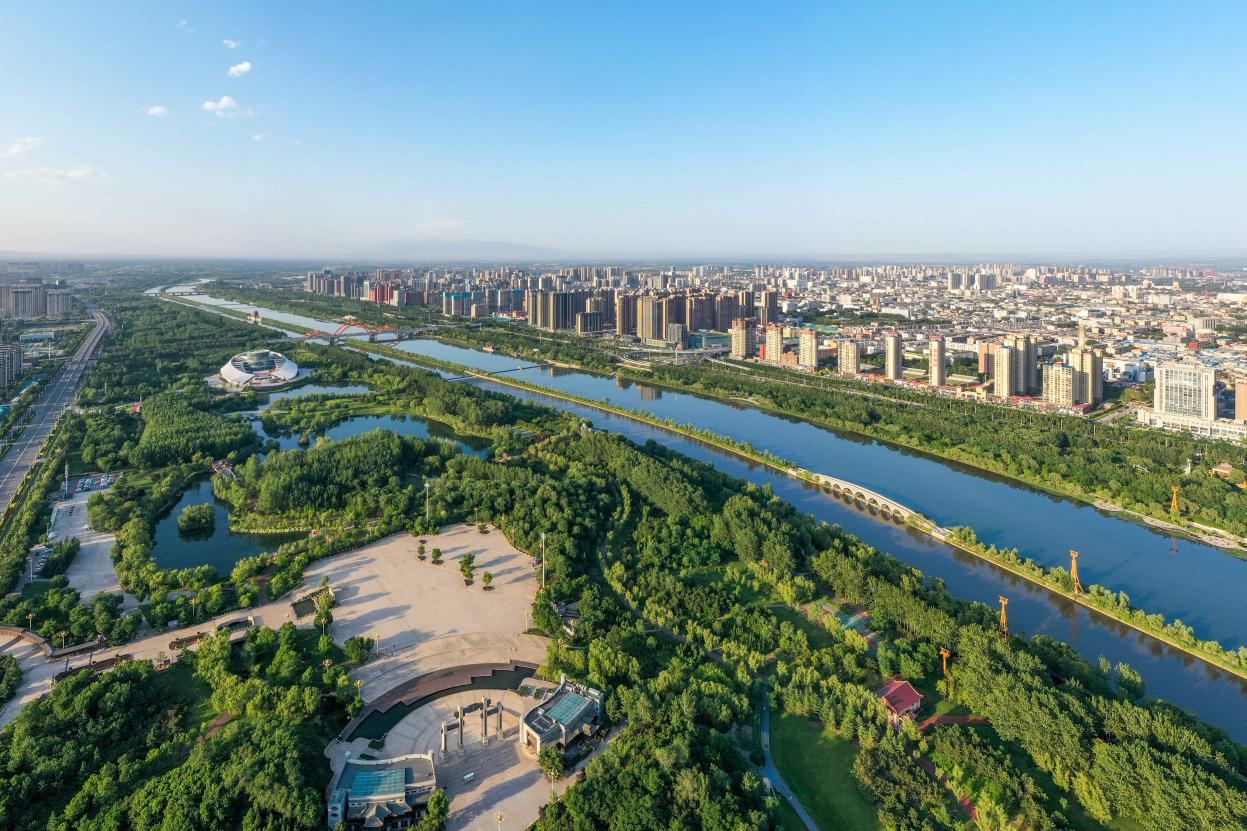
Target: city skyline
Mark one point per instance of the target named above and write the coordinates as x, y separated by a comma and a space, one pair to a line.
813, 132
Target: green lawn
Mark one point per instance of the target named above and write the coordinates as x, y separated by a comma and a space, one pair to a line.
818, 765
786, 818
818, 635
35, 589
180, 683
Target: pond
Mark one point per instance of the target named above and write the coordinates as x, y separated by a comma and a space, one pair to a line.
404, 425
220, 548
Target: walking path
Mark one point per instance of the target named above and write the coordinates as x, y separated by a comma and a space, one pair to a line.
934, 720
772, 773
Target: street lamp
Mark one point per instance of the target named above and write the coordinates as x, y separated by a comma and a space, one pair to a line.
543, 559
426, 502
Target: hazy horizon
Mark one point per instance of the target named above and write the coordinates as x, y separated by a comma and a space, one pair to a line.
813, 131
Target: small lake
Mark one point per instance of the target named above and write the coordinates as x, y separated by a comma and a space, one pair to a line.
404, 425
221, 548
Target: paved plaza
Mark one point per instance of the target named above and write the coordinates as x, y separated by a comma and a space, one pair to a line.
422, 615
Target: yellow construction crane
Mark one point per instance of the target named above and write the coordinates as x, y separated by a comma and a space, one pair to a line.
944, 653
1073, 571
1004, 616
1173, 506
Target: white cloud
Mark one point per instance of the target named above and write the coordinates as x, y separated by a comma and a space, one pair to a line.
240, 69
231, 44
58, 176
257, 137
227, 107
157, 111
19, 146
183, 26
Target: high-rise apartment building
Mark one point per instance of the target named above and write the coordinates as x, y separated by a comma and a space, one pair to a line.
1026, 357
1061, 384
937, 366
1007, 365
10, 364
849, 355
774, 343
807, 349
768, 308
744, 338
892, 356
726, 309
649, 322
1089, 363
588, 323
625, 314
60, 303
987, 357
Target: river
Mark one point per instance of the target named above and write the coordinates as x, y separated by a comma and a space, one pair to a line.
1198, 583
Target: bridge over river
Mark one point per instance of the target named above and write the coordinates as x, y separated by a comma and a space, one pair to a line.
865, 497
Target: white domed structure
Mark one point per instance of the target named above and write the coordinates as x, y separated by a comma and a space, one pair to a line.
261, 369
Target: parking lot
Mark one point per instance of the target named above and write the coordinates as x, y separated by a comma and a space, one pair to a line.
92, 571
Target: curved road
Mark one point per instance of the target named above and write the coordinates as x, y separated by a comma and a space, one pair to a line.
47, 409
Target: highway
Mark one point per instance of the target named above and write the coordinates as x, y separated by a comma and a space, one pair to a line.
46, 409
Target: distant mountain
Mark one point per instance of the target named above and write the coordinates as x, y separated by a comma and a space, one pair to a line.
466, 250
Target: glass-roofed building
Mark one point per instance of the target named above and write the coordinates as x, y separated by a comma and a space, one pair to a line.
382, 793
572, 709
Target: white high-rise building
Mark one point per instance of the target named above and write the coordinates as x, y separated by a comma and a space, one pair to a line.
807, 350
1186, 390
892, 356
937, 367
1185, 399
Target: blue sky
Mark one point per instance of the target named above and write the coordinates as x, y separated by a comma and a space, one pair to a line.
698, 129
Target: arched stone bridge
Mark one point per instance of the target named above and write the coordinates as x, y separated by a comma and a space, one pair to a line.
850, 492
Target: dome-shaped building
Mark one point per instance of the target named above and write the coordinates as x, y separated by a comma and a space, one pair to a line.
260, 369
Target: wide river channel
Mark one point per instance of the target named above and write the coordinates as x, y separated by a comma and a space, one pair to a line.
1202, 585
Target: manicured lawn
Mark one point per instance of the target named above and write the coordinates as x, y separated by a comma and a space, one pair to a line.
181, 684
786, 818
36, 588
817, 634
818, 766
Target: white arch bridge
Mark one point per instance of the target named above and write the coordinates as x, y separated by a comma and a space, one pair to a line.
860, 496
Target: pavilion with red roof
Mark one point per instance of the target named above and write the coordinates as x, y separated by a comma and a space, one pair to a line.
902, 699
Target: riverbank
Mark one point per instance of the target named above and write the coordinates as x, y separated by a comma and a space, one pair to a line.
750, 453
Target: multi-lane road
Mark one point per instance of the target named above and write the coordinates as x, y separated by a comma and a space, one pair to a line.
46, 409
